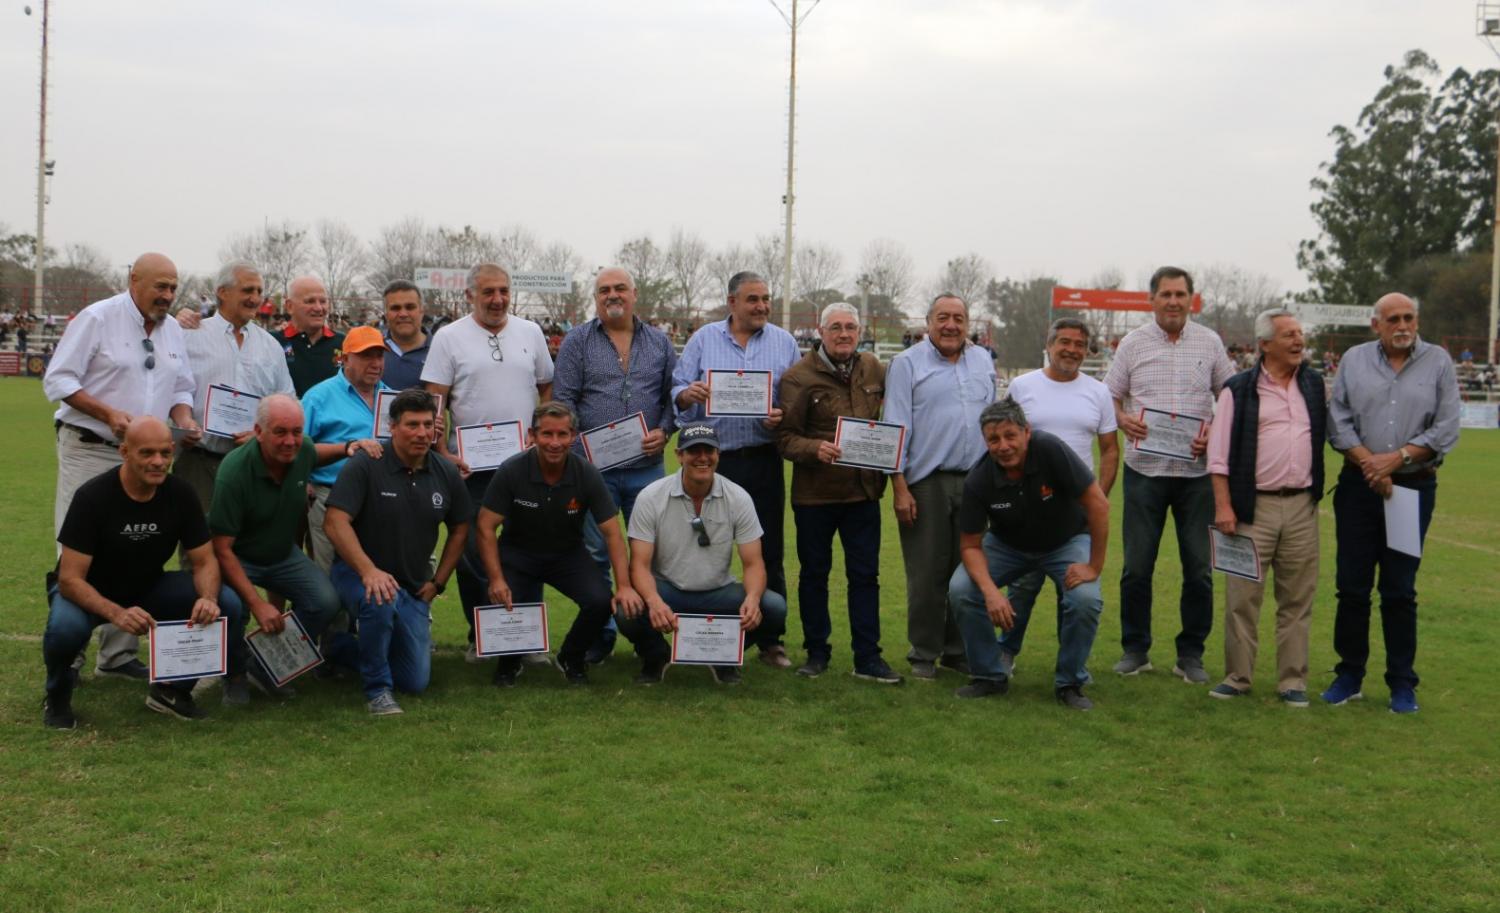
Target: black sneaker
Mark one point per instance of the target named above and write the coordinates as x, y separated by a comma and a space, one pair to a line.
726, 675
57, 713
877, 670
602, 649
1072, 696
652, 672
507, 670
262, 681
236, 691
959, 664
132, 669
983, 687
173, 702
574, 670
814, 667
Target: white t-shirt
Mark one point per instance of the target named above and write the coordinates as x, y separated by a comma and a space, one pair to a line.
483, 388
1077, 411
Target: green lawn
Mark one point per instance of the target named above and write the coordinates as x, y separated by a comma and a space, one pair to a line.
783, 794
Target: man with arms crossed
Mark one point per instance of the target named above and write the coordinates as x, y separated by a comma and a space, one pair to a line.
121, 527
1044, 512
383, 517
1176, 366
1394, 417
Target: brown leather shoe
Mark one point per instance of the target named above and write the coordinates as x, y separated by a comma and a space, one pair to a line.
775, 657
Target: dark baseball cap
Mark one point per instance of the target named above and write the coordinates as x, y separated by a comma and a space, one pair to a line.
698, 434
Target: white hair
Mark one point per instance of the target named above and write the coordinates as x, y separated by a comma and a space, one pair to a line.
1265, 322
838, 307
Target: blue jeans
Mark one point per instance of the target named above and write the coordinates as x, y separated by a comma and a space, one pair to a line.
171, 599
858, 528
1078, 608
1022, 595
395, 638
1359, 528
1147, 499
624, 485
313, 598
725, 600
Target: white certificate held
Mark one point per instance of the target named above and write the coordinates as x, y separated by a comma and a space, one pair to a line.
1169, 435
1403, 521
868, 444
488, 444
181, 650
227, 412
285, 655
499, 631
708, 640
383, 412
1234, 555
615, 443
738, 393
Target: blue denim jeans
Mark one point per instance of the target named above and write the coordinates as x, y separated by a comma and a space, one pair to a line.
1078, 609
171, 599
858, 528
624, 485
1022, 594
313, 598
1147, 499
1359, 528
395, 638
725, 600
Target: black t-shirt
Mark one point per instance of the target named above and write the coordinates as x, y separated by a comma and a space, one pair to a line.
130, 540
395, 511
547, 518
1037, 512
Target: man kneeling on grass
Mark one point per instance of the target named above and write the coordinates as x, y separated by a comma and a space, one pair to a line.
542, 496
383, 517
683, 533
122, 526
1045, 513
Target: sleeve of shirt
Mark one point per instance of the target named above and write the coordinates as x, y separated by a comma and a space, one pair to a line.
1107, 422
1442, 435
685, 374
669, 365
460, 505
80, 529
283, 378
898, 380
1342, 433
438, 368
194, 526
596, 495
498, 496
185, 387
348, 492
790, 440
643, 519
747, 526
790, 355
227, 515
1223, 368
567, 376
70, 360
972, 516
1218, 435
541, 360
1078, 474
1117, 378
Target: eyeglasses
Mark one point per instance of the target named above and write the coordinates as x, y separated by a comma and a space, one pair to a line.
150, 354
495, 351
697, 524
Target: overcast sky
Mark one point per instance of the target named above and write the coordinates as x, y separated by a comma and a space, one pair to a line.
1052, 137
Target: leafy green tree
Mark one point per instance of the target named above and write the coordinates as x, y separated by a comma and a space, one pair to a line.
1023, 307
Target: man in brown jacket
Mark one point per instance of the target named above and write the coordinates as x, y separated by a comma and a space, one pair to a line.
832, 381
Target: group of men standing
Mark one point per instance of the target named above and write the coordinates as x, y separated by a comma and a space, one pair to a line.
987, 494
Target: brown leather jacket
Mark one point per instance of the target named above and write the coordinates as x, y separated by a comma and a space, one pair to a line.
812, 399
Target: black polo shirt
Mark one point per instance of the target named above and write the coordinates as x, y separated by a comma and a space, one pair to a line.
311, 362
396, 511
1037, 512
547, 518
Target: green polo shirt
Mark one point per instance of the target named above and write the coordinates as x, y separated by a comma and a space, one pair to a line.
310, 362
262, 515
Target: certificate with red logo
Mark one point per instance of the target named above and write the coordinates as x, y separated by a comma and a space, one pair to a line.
499, 631
181, 650
1170, 435
228, 412
488, 444
708, 640
869, 444
1234, 555
615, 443
733, 393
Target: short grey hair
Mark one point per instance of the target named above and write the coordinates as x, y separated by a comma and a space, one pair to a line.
267, 403
629, 279
1068, 323
838, 307
941, 295
742, 277
1006, 410
1265, 322
554, 409
482, 268
228, 271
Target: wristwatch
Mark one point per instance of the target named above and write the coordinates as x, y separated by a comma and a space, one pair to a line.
438, 588
1405, 457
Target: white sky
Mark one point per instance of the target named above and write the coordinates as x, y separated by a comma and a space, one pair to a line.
1056, 137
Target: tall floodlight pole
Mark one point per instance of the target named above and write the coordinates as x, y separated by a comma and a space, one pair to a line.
793, 19
1487, 16
41, 174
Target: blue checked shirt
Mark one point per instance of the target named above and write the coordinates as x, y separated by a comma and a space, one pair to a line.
589, 379
713, 348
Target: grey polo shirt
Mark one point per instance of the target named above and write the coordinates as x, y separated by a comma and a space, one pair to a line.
663, 516
1383, 410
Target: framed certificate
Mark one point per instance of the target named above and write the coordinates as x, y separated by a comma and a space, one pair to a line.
285, 655
708, 640
506, 632
732, 393
488, 444
1169, 434
181, 650
228, 412
383, 412
869, 444
615, 443
1234, 555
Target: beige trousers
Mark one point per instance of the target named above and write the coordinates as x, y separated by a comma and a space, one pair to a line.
1285, 532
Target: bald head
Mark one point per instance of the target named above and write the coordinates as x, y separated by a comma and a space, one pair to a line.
307, 304
147, 429
153, 285
146, 455
278, 430
1395, 322
1393, 300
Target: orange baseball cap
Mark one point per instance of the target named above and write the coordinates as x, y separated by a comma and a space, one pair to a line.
362, 338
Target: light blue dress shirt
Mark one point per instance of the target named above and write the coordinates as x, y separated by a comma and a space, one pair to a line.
939, 402
335, 412
713, 348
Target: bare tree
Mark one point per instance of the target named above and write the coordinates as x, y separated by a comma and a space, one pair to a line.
770, 262
817, 267
1232, 296
968, 277
341, 262
573, 306
653, 284
889, 270
397, 251
516, 249
687, 262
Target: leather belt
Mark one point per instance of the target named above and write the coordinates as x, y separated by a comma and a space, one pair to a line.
84, 434
1281, 492
1421, 475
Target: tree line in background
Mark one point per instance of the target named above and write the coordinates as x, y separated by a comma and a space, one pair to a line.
1404, 204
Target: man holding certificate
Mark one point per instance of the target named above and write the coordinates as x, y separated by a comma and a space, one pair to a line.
683, 536
1394, 415
744, 357
832, 386
1163, 380
383, 518
121, 527
1265, 456
1044, 512
541, 497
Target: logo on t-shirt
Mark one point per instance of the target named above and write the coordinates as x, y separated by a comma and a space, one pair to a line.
137, 532
1046, 492
437, 499
573, 505
1003, 505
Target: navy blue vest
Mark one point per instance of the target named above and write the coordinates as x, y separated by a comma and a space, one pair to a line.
1244, 435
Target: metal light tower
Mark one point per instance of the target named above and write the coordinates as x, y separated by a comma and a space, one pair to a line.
42, 169
1487, 26
793, 19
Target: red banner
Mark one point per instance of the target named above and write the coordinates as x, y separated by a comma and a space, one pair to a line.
10, 364
1103, 299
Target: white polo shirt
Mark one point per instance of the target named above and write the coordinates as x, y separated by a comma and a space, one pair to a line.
483, 388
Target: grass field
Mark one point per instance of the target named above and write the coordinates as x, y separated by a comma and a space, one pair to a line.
783, 794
